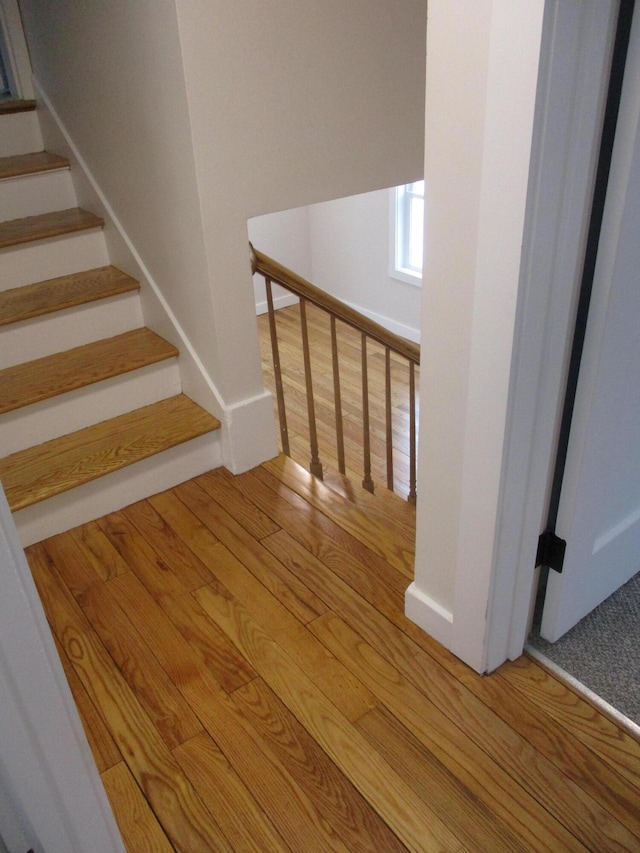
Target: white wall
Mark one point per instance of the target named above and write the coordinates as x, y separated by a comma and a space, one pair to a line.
482, 65
348, 244
284, 236
319, 101
51, 795
196, 115
351, 245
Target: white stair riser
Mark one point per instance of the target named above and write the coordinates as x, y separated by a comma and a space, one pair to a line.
84, 407
57, 256
115, 491
74, 327
20, 134
29, 195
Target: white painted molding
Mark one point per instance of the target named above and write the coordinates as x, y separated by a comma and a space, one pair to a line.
16, 44
257, 428
283, 301
428, 615
408, 332
190, 359
51, 792
480, 91
577, 41
245, 440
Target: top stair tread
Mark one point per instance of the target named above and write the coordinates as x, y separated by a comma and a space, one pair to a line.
44, 378
56, 294
56, 466
17, 231
15, 105
30, 164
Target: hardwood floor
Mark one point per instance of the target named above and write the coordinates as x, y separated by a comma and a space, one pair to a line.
248, 681
291, 359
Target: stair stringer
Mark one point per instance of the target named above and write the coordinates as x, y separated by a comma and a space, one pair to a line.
248, 434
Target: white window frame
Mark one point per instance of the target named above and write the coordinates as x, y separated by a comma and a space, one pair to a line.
399, 265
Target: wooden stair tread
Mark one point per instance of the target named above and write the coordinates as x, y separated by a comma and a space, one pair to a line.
69, 291
43, 378
30, 164
17, 231
14, 105
56, 466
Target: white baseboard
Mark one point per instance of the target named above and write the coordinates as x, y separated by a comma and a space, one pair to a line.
246, 441
278, 302
408, 332
428, 615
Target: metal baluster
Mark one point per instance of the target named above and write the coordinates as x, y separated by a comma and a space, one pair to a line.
387, 396
367, 482
282, 413
412, 434
315, 466
337, 396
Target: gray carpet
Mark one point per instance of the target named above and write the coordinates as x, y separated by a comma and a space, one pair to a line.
603, 650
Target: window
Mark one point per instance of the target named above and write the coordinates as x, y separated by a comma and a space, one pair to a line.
409, 232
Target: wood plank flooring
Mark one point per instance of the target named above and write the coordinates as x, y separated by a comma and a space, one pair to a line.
240, 658
288, 323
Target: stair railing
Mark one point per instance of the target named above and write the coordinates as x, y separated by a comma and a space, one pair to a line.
274, 273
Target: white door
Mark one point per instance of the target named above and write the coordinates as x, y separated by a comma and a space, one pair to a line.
599, 513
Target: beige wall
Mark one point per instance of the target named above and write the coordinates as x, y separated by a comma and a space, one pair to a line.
194, 116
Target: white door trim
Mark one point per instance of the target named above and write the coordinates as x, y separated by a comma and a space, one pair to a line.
11, 24
51, 795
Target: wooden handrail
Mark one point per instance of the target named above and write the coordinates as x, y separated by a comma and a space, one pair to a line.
293, 282
274, 272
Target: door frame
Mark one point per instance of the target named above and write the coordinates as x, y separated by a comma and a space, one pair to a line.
475, 578
16, 47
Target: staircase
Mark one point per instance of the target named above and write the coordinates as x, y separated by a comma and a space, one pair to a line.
92, 416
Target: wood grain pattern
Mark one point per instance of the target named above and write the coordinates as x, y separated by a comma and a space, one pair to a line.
43, 378
468, 817
415, 824
45, 225
48, 469
237, 812
31, 164
137, 823
502, 778
360, 828
330, 724
388, 543
98, 551
103, 747
234, 579
179, 809
15, 105
291, 812
199, 496
154, 590
57, 294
